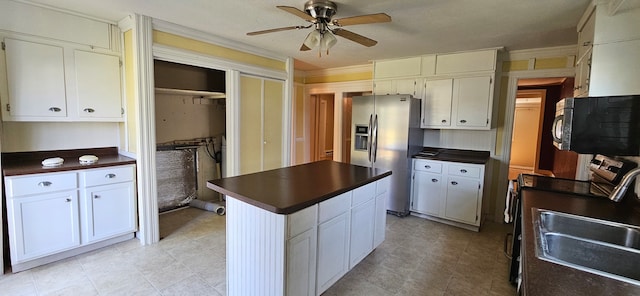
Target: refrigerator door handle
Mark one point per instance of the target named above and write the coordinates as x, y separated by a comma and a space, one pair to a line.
369, 137
375, 138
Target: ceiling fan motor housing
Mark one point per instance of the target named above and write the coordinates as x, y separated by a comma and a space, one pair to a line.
321, 9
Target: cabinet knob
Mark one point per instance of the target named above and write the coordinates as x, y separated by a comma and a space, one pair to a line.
434, 180
55, 109
454, 183
463, 121
68, 200
586, 43
577, 87
110, 176
427, 166
45, 184
96, 196
463, 171
444, 121
89, 110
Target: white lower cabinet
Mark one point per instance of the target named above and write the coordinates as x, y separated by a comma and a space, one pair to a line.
448, 192
301, 263
333, 251
52, 213
42, 225
362, 230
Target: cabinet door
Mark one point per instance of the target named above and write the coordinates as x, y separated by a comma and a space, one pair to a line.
472, 96
406, 86
42, 225
301, 264
436, 103
362, 228
98, 85
380, 219
383, 87
427, 195
583, 71
462, 200
35, 76
108, 211
333, 251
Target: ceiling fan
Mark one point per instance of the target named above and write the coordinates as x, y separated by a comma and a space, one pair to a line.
319, 14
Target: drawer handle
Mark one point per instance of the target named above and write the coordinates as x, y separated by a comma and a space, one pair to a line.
45, 184
444, 121
89, 110
434, 180
463, 121
68, 200
55, 109
427, 166
454, 183
463, 171
96, 196
110, 176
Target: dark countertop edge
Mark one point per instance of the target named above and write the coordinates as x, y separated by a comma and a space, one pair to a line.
456, 155
547, 278
26, 163
300, 205
296, 207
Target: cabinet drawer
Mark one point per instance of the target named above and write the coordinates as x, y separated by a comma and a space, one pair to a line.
363, 194
470, 171
333, 207
40, 183
427, 166
302, 220
109, 175
382, 185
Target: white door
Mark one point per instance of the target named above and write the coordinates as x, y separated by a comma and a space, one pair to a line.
301, 264
333, 251
362, 227
35, 76
108, 211
472, 96
436, 103
462, 200
384, 87
427, 193
43, 225
98, 85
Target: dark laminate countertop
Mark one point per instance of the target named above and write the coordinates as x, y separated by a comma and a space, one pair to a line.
287, 190
24, 163
455, 155
546, 278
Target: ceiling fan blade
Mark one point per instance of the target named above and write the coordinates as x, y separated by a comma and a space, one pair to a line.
304, 47
273, 30
362, 19
355, 37
301, 14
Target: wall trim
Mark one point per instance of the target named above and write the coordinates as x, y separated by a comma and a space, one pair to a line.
538, 53
209, 38
341, 70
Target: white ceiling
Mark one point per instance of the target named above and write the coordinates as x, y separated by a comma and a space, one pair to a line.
417, 27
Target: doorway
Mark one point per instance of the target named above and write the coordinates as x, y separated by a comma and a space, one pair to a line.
532, 149
322, 123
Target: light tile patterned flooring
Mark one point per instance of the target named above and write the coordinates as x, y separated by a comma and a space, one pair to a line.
418, 257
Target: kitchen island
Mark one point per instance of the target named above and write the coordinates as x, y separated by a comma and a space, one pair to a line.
298, 230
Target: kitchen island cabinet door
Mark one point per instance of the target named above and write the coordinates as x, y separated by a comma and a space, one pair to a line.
333, 251
362, 229
42, 225
427, 193
462, 200
301, 263
380, 219
108, 211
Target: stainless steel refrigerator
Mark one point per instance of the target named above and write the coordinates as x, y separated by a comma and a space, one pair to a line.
385, 133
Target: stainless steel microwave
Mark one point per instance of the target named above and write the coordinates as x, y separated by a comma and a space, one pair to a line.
598, 125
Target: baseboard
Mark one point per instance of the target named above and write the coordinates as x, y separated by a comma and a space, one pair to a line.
448, 222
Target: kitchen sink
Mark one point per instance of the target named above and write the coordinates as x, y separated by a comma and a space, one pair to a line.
601, 247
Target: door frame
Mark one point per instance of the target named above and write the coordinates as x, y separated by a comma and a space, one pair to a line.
534, 93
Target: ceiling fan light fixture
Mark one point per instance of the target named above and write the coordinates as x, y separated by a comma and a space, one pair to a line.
313, 39
328, 41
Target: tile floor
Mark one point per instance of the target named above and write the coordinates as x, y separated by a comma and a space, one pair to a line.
419, 257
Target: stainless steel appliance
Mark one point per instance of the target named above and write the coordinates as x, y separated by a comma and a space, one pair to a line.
606, 125
386, 132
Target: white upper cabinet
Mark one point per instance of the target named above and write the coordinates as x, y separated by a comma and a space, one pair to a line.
472, 98
398, 87
436, 103
35, 76
397, 68
466, 62
98, 85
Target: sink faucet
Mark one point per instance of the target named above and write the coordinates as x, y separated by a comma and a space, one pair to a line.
619, 191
